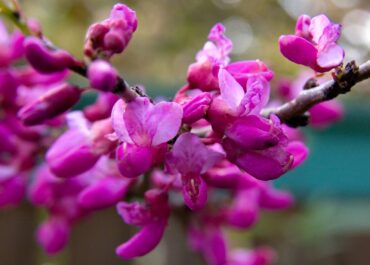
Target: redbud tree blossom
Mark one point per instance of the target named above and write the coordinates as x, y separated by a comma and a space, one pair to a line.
222, 132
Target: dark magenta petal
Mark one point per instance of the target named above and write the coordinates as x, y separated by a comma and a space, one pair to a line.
196, 108
298, 50
104, 193
135, 160
243, 70
265, 165
53, 103
45, 60
252, 132
71, 155
299, 151
144, 241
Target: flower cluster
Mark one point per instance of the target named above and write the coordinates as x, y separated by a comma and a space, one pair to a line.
211, 138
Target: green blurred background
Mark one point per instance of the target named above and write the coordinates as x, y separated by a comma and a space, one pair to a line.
331, 222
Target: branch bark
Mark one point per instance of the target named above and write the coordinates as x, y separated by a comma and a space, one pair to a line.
293, 112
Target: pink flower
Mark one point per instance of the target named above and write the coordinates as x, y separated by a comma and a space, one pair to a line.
235, 101
267, 156
314, 44
144, 129
191, 158
152, 217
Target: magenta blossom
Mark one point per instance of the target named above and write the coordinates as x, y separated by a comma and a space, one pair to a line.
314, 44
267, 156
235, 101
144, 129
102, 75
152, 217
191, 158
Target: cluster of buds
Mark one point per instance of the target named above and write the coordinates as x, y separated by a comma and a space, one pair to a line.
211, 138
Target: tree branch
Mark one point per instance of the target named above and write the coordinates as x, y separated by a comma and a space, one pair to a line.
293, 112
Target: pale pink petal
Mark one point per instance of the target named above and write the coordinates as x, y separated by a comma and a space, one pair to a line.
302, 27
257, 96
231, 91
136, 118
317, 26
165, 120
118, 123
331, 56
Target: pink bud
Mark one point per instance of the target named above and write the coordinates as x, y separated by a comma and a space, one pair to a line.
53, 103
102, 75
196, 108
53, 235
44, 59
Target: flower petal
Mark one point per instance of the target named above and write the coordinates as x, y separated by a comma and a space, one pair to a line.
144, 241
195, 193
165, 120
331, 56
118, 123
298, 50
231, 91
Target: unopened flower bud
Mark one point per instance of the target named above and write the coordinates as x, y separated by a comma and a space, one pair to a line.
113, 34
53, 103
196, 108
45, 60
102, 75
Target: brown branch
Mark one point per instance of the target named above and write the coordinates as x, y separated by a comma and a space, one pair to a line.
293, 113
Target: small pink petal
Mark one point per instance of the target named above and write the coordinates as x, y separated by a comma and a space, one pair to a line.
331, 56
317, 27
118, 122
